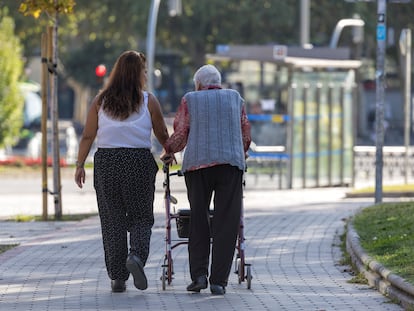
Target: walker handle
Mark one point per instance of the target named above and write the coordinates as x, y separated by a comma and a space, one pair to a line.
173, 200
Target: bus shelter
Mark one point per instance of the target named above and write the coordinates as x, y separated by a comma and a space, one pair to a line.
301, 105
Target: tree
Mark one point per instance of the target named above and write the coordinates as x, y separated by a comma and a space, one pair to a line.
11, 70
52, 8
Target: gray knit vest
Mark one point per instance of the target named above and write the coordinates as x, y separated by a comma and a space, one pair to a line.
215, 129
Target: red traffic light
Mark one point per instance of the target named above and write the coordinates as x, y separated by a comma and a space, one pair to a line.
100, 71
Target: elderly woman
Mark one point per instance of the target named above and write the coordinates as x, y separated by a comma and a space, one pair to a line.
211, 123
122, 117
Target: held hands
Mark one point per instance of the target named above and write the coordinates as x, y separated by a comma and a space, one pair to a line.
168, 158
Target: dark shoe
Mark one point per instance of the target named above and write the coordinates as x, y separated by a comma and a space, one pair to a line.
136, 268
118, 286
197, 285
217, 289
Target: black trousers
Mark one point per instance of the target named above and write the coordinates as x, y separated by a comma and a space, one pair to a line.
225, 182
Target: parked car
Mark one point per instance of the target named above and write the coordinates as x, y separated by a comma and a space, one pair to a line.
29, 146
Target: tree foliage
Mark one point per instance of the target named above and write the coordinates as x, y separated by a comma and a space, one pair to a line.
11, 69
98, 32
203, 25
99, 29
50, 7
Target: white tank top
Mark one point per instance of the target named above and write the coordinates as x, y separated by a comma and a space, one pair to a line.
133, 132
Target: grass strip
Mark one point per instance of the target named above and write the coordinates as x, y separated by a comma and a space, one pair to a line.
69, 217
387, 188
386, 233
5, 247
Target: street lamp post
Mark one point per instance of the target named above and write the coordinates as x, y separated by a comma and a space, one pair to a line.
152, 26
174, 10
304, 22
357, 23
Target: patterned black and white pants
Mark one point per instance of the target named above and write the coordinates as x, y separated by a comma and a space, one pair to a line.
124, 181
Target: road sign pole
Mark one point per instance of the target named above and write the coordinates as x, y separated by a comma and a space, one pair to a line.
380, 92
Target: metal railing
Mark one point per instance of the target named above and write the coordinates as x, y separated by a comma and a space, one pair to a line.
398, 163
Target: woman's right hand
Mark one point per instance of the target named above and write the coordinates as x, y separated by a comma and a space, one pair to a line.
80, 176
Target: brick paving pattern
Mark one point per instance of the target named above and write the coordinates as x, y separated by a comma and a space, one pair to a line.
292, 244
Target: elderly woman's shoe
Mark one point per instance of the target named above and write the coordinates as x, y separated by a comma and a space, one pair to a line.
198, 284
217, 289
118, 286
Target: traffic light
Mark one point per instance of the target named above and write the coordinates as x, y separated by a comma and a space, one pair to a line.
100, 72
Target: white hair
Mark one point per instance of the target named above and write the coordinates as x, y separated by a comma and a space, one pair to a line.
207, 75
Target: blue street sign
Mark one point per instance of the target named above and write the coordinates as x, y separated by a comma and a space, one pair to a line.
381, 32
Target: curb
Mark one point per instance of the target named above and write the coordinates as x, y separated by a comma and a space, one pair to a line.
399, 194
379, 277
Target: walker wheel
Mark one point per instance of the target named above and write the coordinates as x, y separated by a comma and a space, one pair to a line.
236, 264
164, 278
249, 277
239, 271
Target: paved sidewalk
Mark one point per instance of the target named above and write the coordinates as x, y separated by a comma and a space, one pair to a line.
292, 245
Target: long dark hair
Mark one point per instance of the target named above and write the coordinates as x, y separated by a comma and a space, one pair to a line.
122, 94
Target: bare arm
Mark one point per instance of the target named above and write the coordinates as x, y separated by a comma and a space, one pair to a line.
88, 136
158, 123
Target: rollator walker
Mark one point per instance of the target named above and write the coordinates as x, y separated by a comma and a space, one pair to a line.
182, 220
